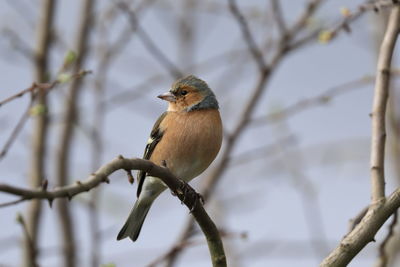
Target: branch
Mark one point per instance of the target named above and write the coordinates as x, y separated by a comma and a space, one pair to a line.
381, 93
17, 129
19, 94
11, 203
182, 190
381, 208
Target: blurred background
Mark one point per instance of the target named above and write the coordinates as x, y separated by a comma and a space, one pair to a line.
295, 88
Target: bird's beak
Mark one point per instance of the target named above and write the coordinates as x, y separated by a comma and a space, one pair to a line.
168, 96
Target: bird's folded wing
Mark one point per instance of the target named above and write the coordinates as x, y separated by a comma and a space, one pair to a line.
155, 137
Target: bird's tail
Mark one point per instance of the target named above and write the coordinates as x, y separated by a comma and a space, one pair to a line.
134, 223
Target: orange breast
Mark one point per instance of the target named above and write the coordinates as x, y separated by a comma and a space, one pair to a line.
191, 141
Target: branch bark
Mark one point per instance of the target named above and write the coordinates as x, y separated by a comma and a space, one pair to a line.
381, 208
378, 114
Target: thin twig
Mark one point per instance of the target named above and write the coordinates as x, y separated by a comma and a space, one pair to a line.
19, 94
12, 203
18, 127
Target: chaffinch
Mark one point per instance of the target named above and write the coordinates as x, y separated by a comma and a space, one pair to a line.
187, 137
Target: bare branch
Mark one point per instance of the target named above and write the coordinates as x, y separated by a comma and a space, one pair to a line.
18, 127
181, 189
378, 114
19, 94
12, 203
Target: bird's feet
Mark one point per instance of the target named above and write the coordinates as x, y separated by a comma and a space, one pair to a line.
188, 192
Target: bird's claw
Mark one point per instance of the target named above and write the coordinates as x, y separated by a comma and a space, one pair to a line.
197, 199
185, 190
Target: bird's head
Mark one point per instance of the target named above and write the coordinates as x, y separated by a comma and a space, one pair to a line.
189, 94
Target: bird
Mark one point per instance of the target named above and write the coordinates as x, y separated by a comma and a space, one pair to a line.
186, 139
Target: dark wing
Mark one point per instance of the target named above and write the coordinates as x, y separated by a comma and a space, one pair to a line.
155, 137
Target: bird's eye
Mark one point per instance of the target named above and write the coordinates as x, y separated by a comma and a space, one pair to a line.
184, 92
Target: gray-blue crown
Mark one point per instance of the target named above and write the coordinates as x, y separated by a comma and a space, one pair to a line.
209, 101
